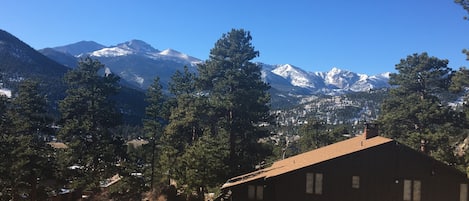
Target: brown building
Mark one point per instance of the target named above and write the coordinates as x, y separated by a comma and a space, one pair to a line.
366, 167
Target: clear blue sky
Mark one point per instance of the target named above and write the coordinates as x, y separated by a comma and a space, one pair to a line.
364, 36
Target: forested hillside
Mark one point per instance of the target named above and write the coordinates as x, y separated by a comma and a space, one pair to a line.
209, 126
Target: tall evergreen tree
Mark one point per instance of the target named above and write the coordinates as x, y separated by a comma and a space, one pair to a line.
28, 113
193, 155
183, 122
27, 159
235, 90
314, 135
4, 102
460, 84
414, 113
186, 114
202, 165
153, 123
88, 113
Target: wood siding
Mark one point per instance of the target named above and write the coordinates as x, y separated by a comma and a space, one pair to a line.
381, 171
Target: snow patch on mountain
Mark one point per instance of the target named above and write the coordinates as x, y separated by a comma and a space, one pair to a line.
131, 76
170, 53
296, 76
335, 81
173, 53
283, 78
138, 47
5, 92
111, 52
127, 48
341, 78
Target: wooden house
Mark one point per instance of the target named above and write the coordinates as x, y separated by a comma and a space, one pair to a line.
363, 168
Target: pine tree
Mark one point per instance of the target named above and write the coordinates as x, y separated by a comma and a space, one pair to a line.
4, 102
29, 109
202, 165
414, 113
460, 84
153, 124
183, 123
314, 135
5, 150
88, 114
192, 154
186, 114
28, 162
238, 96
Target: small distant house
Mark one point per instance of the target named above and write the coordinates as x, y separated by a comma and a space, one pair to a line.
363, 168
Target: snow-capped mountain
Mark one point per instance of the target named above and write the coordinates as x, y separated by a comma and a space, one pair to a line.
332, 82
138, 47
19, 61
135, 61
297, 76
139, 63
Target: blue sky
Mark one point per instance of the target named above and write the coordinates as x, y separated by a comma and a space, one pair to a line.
364, 36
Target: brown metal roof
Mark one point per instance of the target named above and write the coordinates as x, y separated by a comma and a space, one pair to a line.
313, 157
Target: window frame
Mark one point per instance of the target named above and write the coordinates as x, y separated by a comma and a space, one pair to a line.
463, 192
356, 182
412, 190
255, 192
314, 183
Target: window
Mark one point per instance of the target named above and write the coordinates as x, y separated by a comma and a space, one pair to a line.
314, 183
463, 192
309, 183
255, 192
260, 192
251, 192
318, 184
412, 190
407, 190
356, 182
416, 189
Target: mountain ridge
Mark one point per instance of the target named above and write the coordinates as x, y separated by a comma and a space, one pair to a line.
139, 63
19, 61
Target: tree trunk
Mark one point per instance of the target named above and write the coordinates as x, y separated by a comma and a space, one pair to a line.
232, 141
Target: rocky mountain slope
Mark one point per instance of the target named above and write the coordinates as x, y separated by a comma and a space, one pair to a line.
134, 61
18, 61
139, 63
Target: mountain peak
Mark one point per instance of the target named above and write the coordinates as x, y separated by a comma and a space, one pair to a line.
137, 46
178, 55
335, 70
334, 81
170, 52
297, 76
126, 48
